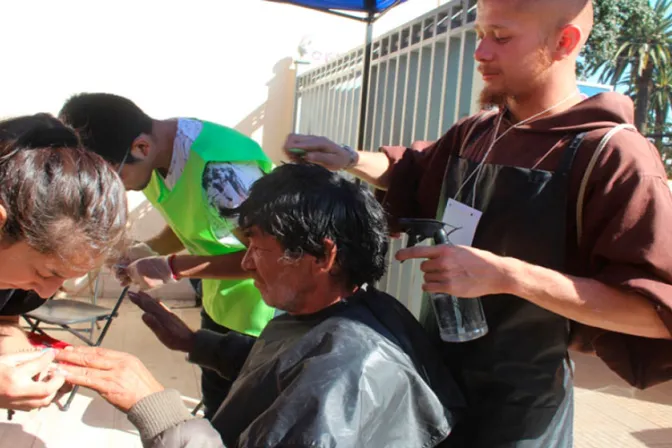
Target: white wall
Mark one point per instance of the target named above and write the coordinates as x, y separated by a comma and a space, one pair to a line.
228, 61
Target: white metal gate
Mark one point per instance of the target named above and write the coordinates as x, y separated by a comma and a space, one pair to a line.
422, 80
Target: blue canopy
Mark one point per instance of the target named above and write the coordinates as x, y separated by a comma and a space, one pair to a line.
371, 7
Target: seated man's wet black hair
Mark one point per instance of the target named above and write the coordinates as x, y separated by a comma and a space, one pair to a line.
302, 205
107, 124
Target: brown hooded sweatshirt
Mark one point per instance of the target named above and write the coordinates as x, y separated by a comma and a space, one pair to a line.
627, 211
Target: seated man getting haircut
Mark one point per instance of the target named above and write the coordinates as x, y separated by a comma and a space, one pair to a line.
345, 366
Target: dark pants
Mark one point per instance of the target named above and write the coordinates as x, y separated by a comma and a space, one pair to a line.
213, 387
198, 289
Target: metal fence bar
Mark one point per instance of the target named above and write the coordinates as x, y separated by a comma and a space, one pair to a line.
395, 51
445, 72
353, 105
418, 76
460, 72
326, 94
328, 117
319, 106
429, 83
346, 102
402, 123
360, 76
373, 97
338, 109
381, 137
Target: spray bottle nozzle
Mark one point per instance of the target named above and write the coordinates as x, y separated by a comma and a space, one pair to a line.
419, 230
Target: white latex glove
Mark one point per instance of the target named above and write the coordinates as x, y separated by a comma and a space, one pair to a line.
150, 272
138, 251
135, 252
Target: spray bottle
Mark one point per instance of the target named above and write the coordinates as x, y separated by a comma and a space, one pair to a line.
459, 320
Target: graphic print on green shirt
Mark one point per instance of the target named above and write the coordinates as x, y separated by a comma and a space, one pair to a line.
234, 304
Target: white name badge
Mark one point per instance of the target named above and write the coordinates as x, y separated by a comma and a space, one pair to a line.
462, 222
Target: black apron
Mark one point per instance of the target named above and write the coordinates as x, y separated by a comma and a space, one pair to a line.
517, 379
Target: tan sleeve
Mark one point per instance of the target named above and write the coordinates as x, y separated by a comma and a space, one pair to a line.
164, 422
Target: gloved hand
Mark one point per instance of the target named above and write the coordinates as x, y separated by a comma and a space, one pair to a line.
138, 251
150, 272
135, 252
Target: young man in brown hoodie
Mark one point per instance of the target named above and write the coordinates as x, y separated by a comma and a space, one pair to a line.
573, 242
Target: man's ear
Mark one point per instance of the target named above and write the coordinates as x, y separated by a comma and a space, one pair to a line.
328, 261
141, 147
569, 41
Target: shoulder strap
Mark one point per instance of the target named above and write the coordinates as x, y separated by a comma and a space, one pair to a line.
589, 171
569, 155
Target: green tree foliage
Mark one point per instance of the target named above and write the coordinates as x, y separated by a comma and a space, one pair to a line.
631, 47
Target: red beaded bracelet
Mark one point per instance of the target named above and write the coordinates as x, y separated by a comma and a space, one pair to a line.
171, 259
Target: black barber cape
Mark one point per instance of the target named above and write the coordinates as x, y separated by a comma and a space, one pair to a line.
14, 302
361, 373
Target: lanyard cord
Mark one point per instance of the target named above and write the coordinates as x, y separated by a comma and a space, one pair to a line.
495, 139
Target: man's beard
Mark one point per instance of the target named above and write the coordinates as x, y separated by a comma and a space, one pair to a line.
490, 98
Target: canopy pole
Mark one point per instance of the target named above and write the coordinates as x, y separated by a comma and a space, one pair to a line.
365, 85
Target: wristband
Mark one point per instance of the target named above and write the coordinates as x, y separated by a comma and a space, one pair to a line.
173, 273
354, 157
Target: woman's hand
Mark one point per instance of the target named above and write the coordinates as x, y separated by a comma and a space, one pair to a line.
28, 380
121, 379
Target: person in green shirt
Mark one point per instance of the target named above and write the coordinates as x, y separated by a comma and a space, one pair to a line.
192, 171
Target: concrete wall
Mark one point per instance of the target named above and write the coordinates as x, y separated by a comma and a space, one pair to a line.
228, 61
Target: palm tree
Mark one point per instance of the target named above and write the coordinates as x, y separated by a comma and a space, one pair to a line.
642, 54
661, 100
